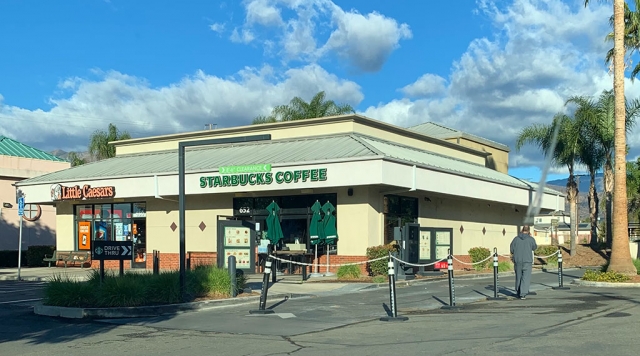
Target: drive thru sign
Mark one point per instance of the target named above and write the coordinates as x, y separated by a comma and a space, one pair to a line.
112, 250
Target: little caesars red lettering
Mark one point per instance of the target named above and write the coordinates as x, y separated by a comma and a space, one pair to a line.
86, 192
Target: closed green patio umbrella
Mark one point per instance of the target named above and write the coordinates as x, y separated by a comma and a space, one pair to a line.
273, 223
330, 231
329, 222
316, 227
316, 233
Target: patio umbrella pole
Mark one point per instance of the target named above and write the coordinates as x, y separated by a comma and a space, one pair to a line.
328, 274
315, 266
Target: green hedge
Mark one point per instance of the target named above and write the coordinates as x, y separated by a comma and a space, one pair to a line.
546, 250
379, 268
137, 289
9, 258
349, 272
35, 254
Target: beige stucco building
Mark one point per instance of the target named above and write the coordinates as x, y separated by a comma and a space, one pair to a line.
18, 162
378, 176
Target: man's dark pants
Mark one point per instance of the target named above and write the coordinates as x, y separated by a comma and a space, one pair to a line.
523, 278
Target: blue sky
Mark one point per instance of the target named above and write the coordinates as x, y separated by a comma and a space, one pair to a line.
484, 67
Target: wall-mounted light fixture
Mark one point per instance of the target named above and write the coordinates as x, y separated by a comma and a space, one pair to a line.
427, 199
7, 205
350, 192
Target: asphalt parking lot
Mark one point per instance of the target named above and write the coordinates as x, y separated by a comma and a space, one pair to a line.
20, 293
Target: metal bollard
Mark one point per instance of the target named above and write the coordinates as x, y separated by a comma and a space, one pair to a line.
452, 291
156, 262
393, 304
495, 277
263, 292
560, 276
232, 275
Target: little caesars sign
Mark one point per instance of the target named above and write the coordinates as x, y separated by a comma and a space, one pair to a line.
260, 174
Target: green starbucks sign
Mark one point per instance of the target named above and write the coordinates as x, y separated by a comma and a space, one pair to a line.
262, 178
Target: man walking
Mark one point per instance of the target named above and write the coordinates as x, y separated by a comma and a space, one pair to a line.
522, 248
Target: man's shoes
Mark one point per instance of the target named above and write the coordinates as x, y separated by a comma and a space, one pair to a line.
522, 298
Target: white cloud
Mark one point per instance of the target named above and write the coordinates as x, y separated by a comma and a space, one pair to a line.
135, 105
262, 12
363, 40
244, 36
366, 41
217, 27
542, 52
426, 85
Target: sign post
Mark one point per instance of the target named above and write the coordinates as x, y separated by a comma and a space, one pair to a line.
111, 251
21, 215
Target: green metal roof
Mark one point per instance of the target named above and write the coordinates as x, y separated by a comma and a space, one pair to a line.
278, 152
10, 147
438, 131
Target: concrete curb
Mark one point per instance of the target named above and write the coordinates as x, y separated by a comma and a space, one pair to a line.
151, 311
580, 282
36, 278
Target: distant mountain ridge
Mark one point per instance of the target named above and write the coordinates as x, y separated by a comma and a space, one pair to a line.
65, 155
583, 183
583, 192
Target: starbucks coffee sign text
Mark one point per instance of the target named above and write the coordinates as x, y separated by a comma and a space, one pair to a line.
266, 178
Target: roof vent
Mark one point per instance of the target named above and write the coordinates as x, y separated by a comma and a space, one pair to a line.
210, 126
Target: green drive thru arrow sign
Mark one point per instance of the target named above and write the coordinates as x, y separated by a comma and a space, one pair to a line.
252, 168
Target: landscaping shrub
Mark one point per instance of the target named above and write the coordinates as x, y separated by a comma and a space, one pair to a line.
505, 266
35, 254
546, 250
9, 258
478, 254
136, 289
379, 279
599, 276
378, 268
349, 272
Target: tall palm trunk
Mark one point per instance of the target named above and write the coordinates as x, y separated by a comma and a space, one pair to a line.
593, 208
572, 196
620, 260
608, 196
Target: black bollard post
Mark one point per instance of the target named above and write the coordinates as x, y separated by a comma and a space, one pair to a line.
101, 271
156, 262
263, 292
393, 303
121, 268
232, 274
495, 277
560, 276
452, 291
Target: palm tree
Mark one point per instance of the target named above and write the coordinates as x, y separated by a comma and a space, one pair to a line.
631, 35
566, 153
298, 109
75, 159
620, 260
633, 189
599, 130
99, 147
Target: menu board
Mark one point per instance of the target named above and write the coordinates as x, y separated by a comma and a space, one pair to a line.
442, 252
237, 237
243, 257
425, 245
443, 238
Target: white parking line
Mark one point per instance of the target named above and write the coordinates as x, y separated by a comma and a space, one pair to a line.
20, 301
20, 290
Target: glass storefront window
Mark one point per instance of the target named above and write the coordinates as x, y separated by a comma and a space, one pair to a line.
113, 222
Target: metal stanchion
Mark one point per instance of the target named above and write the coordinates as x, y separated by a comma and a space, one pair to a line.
452, 292
495, 277
156, 262
232, 275
392, 295
560, 277
263, 292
